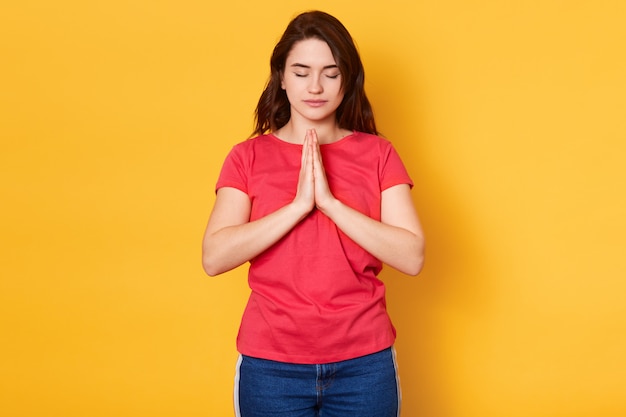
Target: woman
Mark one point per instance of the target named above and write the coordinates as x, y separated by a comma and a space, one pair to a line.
316, 202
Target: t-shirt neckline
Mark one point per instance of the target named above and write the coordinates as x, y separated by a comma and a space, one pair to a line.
338, 141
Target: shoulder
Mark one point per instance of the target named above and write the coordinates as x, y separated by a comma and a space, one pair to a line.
371, 142
249, 147
252, 142
372, 139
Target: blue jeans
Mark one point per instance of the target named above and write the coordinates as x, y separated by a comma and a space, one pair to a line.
365, 387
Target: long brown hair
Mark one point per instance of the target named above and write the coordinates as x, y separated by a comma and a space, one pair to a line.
273, 110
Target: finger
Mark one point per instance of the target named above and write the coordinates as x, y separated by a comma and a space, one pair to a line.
314, 138
311, 144
305, 149
317, 153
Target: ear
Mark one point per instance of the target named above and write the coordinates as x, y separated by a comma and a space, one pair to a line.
282, 80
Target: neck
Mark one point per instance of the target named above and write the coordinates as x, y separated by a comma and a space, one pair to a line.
294, 132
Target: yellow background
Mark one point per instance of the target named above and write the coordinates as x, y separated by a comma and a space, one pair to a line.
115, 117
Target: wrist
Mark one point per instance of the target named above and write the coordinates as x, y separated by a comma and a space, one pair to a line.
329, 206
300, 209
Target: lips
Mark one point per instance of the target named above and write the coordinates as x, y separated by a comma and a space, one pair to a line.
315, 103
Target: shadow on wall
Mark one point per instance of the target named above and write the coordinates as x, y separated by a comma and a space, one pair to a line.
421, 306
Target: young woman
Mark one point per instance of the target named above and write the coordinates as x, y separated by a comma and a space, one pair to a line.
316, 202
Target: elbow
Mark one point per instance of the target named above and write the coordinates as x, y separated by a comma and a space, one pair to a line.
210, 259
415, 266
416, 263
211, 268
410, 265
214, 264
409, 261
214, 269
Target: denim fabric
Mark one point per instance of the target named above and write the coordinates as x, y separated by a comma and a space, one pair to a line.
361, 387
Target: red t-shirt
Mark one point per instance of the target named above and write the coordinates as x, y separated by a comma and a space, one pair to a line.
315, 295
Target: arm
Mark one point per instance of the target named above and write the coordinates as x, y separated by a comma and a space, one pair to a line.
231, 239
396, 240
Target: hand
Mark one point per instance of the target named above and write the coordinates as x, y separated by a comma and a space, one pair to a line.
323, 196
305, 193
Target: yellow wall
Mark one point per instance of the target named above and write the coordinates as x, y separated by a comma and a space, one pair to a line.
115, 117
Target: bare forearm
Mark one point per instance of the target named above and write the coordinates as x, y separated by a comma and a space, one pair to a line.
231, 246
397, 247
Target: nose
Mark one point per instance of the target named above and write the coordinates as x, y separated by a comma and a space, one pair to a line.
315, 87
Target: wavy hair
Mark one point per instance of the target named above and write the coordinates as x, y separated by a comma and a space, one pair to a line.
273, 110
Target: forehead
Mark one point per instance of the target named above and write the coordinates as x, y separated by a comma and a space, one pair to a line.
311, 52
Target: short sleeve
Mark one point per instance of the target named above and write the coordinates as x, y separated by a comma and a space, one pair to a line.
234, 172
393, 171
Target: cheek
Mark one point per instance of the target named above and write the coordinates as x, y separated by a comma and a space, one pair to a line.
290, 84
340, 95
340, 92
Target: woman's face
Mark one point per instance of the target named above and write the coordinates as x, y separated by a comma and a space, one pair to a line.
312, 81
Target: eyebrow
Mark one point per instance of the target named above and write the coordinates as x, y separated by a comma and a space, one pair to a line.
308, 67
